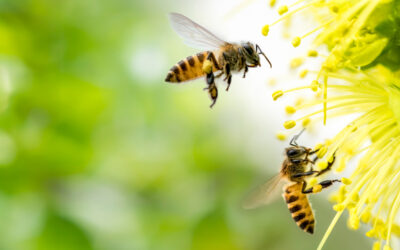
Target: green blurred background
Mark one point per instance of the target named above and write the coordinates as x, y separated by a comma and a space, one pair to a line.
99, 153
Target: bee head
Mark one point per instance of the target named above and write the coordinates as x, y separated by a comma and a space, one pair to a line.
251, 53
296, 152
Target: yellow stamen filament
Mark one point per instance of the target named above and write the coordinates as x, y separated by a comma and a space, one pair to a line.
325, 97
329, 230
316, 29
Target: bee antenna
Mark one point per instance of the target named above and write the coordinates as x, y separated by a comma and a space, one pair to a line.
293, 142
262, 53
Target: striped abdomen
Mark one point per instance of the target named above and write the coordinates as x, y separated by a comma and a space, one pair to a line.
188, 69
299, 207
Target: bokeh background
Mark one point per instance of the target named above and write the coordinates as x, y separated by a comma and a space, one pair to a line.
97, 152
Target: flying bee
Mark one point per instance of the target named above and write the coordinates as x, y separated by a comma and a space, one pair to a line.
218, 56
294, 170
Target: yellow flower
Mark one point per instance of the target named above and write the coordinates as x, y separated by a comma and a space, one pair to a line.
362, 74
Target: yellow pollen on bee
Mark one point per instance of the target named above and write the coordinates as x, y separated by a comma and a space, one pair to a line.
265, 30
290, 110
207, 66
296, 41
283, 9
281, 136
289, 124
317, 188
313, 181
322, 165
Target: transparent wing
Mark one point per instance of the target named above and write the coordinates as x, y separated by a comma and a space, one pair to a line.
265, 193
194, 34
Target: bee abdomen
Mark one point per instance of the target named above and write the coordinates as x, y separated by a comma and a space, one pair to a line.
299, 207
188, 69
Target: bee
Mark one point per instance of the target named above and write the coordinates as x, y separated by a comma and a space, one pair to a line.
294, 171
218, 56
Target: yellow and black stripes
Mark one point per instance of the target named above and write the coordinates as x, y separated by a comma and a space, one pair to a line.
299, 207
189, 68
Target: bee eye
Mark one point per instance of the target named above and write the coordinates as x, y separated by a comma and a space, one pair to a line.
248, 48
292, 152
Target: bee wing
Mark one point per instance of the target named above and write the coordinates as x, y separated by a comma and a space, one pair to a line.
265, 193
193, 34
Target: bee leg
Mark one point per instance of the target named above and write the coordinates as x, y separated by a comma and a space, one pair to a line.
313, 161
227, 71
228, 78
212, 88
246, 69
229, 82
317, 188
308, 173
211, 57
